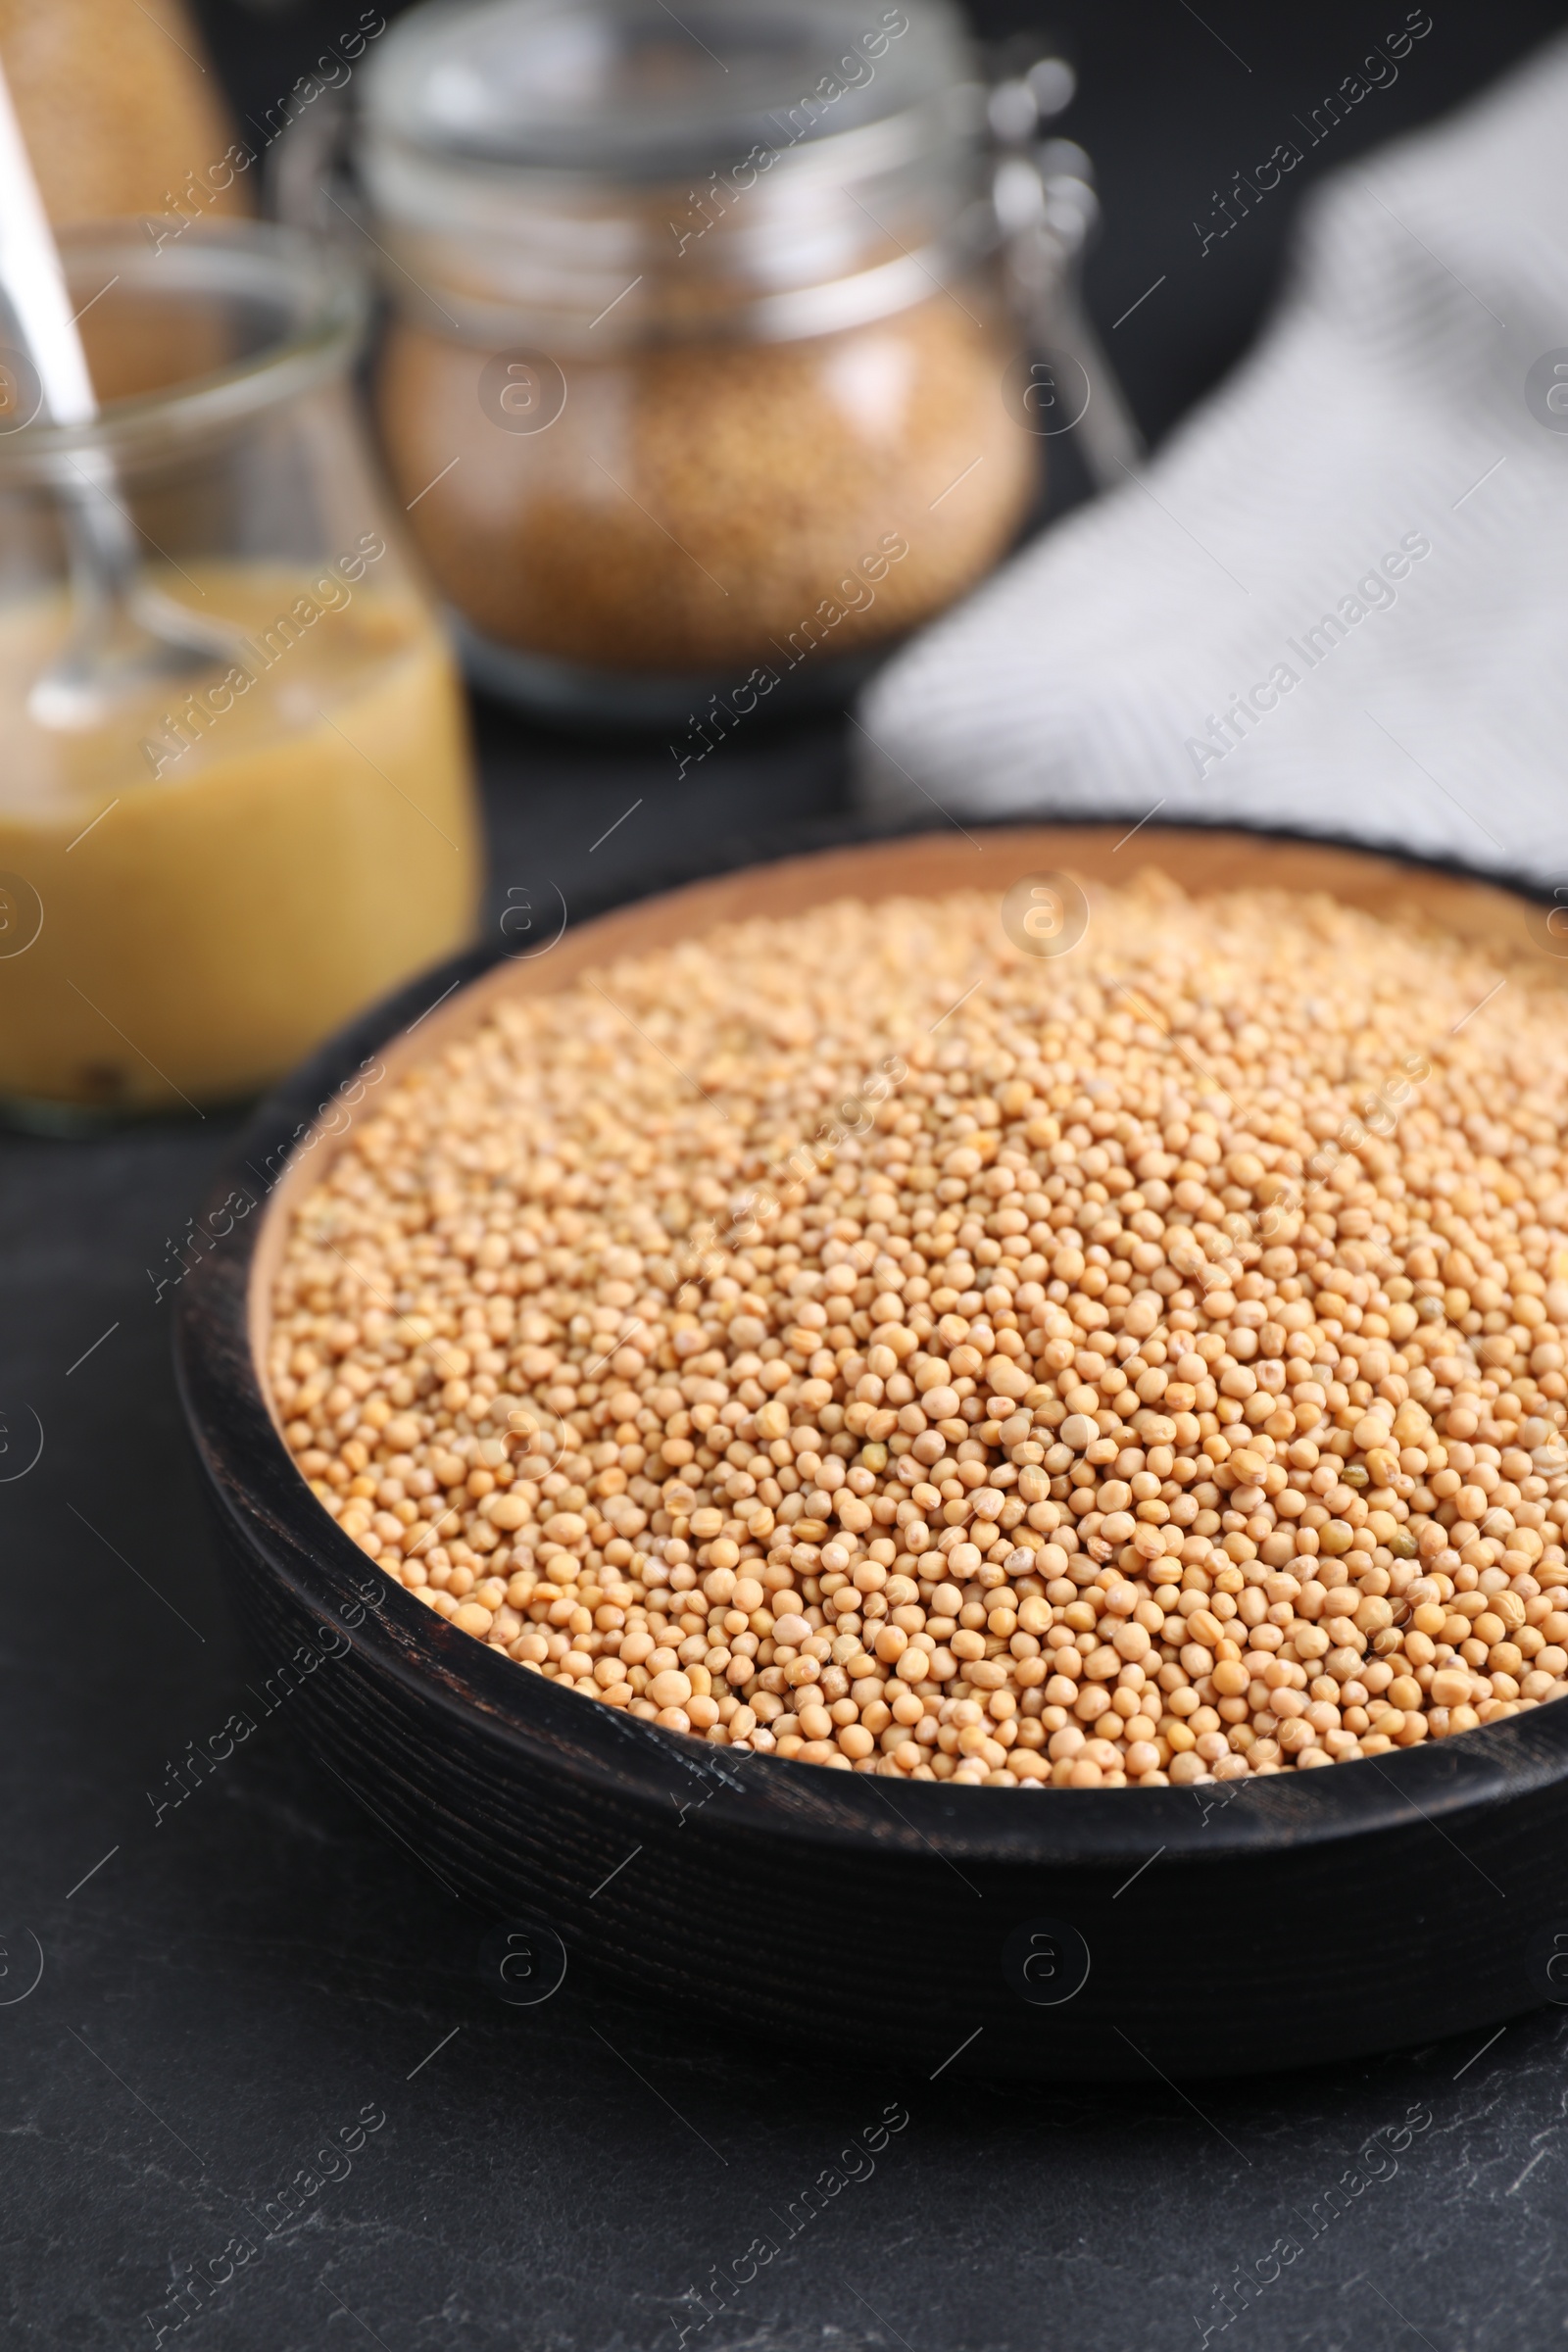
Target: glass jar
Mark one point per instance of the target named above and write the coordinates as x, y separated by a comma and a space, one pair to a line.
204, 876
696, 382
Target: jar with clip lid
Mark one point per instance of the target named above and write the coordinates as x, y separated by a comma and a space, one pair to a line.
702, 384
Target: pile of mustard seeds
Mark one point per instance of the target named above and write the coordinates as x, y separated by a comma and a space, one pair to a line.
852, 1338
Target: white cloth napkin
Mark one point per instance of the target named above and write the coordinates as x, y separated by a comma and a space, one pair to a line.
1370, 522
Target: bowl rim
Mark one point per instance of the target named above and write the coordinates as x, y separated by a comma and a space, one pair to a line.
267, 1504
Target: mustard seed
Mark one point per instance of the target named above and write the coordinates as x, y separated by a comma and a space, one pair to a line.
849, 1338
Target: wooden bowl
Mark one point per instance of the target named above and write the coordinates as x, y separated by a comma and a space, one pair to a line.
1059, 1933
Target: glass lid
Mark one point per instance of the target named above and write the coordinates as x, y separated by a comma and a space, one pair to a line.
633, 90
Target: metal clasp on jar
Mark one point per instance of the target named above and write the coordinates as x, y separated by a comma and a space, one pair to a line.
1042, 192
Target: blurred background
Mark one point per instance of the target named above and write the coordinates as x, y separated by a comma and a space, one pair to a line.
1170, 103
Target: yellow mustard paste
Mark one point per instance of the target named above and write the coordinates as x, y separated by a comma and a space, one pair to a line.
197, 892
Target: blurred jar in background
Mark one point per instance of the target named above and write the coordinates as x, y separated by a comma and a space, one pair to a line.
199, 885
697, 358
119, 106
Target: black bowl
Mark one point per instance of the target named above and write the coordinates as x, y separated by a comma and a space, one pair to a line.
1074, 1933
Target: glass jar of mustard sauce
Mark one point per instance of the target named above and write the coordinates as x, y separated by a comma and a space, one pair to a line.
203, 877
696, 369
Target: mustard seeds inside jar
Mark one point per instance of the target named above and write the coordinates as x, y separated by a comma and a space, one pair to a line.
696, 381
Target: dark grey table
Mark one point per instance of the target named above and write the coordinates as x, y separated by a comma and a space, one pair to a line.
261, 2093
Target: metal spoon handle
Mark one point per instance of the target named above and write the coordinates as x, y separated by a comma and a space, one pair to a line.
103, 544
124, 635
35, 283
